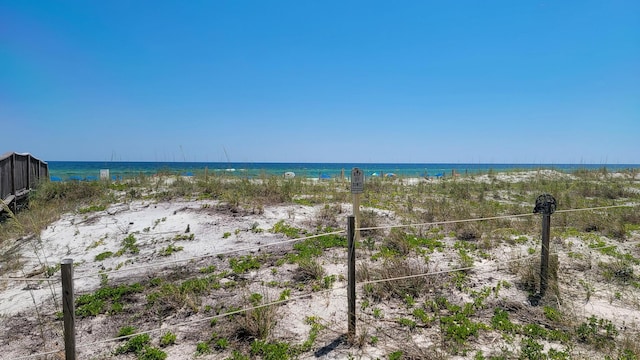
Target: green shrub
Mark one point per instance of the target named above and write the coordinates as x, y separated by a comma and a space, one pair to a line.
598, 332
500, 321
167, 339
270, 351
135, 344
170, 249
151, 353
243, 264
126, 330
202, 348
95, 303
309, 269
281, 228
221, 344
128, 245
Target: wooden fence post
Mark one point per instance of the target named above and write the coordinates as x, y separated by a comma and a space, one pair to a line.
544, 260
68, 309
545, 205
351, 286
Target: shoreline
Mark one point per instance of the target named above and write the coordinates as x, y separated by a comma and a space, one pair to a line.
91, 170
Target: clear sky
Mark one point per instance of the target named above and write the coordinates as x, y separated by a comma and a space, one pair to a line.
322, 81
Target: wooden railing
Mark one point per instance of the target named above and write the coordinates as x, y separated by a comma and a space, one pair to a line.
19, 174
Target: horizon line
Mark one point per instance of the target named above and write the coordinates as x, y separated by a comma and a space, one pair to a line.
348, 162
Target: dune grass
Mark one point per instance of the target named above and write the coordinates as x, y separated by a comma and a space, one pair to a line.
455, 311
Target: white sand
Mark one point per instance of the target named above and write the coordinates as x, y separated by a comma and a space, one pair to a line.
155, 225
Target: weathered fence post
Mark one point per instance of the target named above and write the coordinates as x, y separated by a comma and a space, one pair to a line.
68, 309
351, 278
545, 205
353, 232
357, 188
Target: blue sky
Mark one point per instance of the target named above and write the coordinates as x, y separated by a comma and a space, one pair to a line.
322, 81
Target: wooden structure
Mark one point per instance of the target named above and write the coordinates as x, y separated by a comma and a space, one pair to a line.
19, 174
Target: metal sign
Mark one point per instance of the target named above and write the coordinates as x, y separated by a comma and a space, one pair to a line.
357, 181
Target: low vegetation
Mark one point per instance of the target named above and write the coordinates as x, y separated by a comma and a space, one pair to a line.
474, 304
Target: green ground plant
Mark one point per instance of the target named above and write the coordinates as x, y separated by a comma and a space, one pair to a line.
419, 304
167, 339
170, 249
243, 264
111, 299
128, 246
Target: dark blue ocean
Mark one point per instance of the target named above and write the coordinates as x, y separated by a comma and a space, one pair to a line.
77, 170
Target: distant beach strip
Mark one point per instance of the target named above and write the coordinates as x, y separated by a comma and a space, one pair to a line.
90, 170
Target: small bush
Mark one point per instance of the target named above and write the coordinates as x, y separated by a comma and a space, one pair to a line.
128, 245
170, 249
271, 351
151, 353
135, 344
598, 332
242, 264
126, 330
257, 323
309, 270
281, 228
394, 268
203, 348
167, 339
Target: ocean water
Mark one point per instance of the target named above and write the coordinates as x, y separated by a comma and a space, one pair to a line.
76, 170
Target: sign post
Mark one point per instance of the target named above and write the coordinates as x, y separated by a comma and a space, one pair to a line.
351, 280
357, 188
353, 231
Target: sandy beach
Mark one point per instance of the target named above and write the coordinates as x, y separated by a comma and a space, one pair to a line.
246, 250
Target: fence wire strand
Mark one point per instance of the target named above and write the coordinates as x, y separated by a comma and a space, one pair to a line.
299, 297
446, 222
39, 354
235, 312
83, 275
248, 248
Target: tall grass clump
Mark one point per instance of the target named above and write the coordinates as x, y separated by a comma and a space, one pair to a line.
257, 323
45, 205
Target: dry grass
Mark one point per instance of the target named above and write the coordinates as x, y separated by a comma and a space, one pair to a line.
397, 268
443, 200
258, 322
